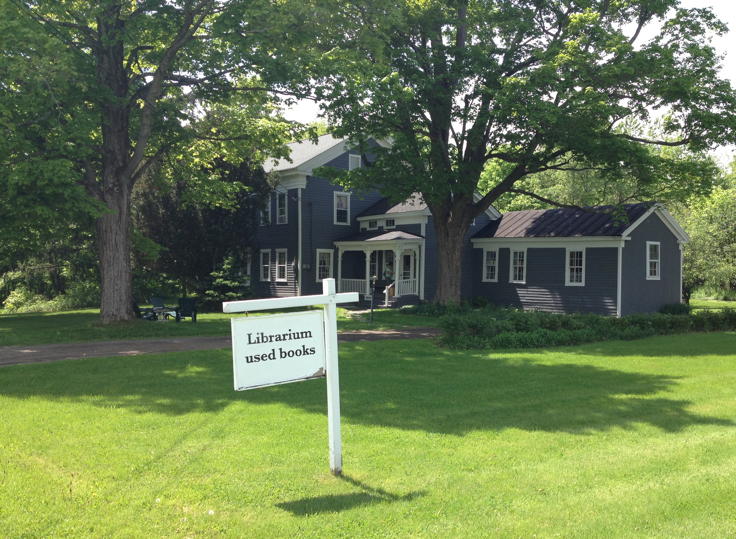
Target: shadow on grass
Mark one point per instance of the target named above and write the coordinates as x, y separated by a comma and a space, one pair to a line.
407, 385
332, 503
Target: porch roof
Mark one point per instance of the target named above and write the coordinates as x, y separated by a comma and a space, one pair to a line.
379, 235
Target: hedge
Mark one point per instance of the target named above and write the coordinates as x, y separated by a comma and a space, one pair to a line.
501, 328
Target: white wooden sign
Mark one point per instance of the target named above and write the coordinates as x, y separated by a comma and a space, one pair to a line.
278, 349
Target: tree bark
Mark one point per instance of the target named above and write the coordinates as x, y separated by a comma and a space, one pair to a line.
450, 228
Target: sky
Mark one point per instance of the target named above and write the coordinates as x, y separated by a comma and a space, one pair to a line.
308, 111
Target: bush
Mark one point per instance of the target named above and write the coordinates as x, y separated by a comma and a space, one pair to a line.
676, 308
505, 328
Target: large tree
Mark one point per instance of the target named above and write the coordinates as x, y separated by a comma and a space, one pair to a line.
524, 85
93, 94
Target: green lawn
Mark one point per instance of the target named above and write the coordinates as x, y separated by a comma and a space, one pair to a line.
73, 326
711, 304
620, 439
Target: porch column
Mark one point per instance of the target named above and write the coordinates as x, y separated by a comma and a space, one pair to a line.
397, 268
367, 253
339, 268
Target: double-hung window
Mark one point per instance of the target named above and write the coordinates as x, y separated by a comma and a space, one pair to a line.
372, 224
281, 264
281, 209
324, 264
342, 208
517, 271
266, 213
390, 223
265, 265
653, 260
490, 265
574, 267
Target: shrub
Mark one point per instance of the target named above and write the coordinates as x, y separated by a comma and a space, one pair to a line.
676, 308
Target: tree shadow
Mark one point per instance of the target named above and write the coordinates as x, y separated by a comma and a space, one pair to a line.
415, 387
717, 343
332, 503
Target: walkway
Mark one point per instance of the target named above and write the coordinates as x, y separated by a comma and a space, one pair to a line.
45, 353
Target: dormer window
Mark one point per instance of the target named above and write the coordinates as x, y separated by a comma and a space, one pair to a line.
342, 208
354, 161
390, 223
281, 209
372, 224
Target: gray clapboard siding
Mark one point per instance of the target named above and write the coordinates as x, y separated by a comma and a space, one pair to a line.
545, 288
638, 294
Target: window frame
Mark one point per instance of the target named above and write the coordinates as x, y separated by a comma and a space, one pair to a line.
388, 226
352, 161
484, 270
374, 226
513, 250
285, 265
569, 250
658, 261
265, 214
331, 252
261, 265
282, 195
335, 196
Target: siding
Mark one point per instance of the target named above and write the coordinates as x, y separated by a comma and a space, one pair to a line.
638, 294
545, 288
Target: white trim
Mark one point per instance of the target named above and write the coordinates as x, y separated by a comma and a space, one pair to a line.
568, 250
381, 245
665, 217
386, 226
484, 273
351, 161
285, 195
316, 263
261, 265
658, 261
491, 212
374, 227
511, 265
292, 180
619, 280
285, 265
335, 195
299, 245
579, 242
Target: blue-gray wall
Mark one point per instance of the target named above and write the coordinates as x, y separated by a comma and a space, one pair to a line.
545, 288
638, 294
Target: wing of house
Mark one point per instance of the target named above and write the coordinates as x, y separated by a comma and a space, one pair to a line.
563, 260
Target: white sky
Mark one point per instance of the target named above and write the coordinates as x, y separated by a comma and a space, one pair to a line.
308, 111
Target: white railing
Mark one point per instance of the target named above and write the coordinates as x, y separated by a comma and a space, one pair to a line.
352, 285
405, 287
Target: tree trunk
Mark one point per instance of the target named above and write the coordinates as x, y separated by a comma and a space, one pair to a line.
450, 234
113, 245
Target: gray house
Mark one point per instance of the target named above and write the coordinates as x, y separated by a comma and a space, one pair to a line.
555, 260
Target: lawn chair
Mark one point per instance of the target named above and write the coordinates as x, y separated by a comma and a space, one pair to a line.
187, 308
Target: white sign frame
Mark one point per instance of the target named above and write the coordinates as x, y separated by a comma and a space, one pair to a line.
328, 300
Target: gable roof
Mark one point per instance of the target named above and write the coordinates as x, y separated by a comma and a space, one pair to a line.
603, 221
303, 151
381, 236
384, 206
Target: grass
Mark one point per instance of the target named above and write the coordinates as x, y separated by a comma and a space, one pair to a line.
83, 325
711, 304
620, 439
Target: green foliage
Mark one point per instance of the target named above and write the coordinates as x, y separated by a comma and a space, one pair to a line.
518, 329
676, 308
228, 283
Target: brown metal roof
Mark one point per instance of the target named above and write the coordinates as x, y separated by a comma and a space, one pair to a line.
565, 222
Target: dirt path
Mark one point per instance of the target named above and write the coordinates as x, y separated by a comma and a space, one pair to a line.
45, 353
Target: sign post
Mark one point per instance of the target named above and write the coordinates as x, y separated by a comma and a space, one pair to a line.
278, 349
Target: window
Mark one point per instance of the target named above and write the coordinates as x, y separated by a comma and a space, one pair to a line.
372, 224
517, 273
324, 264
373, 265
266, 213
653, 260
281, 264
281, 209
490, 265
354, 161
248, 264
390, 223
342, 208
575, 267
265, 265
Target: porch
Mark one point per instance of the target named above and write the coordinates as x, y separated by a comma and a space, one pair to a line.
394, 260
